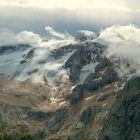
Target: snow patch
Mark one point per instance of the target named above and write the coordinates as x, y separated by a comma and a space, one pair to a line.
41, 65
86, 70
88, 33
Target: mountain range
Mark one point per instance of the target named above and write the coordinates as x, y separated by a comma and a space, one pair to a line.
71, 88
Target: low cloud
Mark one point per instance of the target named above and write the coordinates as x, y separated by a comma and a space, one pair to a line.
41, 48
64, 20
58, 35
8, 37
124, 43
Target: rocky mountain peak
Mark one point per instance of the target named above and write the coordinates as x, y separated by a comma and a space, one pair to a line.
67, 89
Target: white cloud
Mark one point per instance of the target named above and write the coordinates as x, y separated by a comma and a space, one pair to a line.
8, 37
67, 15
28, 37
52, 68
124, 43
56, 34
133, 4
69, 4
87, 33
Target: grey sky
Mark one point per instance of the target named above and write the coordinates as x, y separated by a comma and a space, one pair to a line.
67, 15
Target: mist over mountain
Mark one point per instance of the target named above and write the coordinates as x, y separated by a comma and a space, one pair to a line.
121, 41
69, 70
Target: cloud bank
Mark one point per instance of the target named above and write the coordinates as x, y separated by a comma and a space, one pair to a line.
40, 64
124, 43
123, 47
8, 37
91, 15
52, 33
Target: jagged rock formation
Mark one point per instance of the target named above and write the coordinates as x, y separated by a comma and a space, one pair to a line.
123, 122
12, 48
88, 52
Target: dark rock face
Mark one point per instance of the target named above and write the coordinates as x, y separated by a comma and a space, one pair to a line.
27, 56
77, 95
88, 52
123, 122
86, 37
42, 116
11, 48
81, 135
53, 120
32, 72
97, 81
40, 134
17, 130
76, 61
30, 54
102, 98
2, 121
88, 116
56, 122
104, 62
57, 53
23, 61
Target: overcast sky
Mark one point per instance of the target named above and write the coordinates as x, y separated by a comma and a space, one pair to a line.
67, 15
74, 4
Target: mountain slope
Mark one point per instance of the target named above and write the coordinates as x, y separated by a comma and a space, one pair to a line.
124, 118
70, 89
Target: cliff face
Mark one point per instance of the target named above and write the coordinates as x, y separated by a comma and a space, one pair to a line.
123, 122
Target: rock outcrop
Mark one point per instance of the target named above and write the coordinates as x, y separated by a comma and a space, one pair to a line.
123, 122
88, 52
